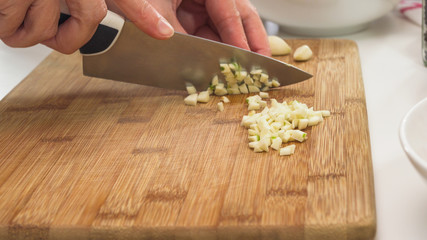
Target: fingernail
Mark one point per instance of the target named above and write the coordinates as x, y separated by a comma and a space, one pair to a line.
165, 28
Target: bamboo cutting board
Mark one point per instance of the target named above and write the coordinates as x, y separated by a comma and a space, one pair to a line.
85, 158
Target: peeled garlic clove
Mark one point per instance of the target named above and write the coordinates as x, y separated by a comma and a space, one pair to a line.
303, 53
278, 46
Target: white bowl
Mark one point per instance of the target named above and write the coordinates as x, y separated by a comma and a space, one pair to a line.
323, 17
413, 136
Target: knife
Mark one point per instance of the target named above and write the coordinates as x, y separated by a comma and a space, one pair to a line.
120, 51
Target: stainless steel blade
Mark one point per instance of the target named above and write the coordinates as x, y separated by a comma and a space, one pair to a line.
138, 58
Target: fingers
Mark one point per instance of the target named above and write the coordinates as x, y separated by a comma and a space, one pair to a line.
79, 28
254, 29
146, 18
24, 25
168, 9
12, 15
227, 20
208, 33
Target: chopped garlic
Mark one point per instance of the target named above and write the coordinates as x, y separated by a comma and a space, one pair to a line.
325, 113
220, 90
280, 123
191, 99
224, 68
263, 78
258, 84
238, 80
249, 81
220, 106
253, 89
298, 135
265, 89
288, 150
233, 90
191, 89
256, 71
302, 124
243, 88
203, 97
264, 95
275, 83
277, 142
225, 99
215, 80
254, 106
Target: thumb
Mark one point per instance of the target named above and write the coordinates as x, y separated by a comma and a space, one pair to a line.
146, 18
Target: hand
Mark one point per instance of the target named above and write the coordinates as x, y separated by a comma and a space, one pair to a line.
24, 23
235, 22
28, 22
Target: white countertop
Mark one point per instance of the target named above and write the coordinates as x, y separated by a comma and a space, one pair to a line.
395, 80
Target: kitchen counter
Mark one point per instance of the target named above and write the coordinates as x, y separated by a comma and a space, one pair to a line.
395, 79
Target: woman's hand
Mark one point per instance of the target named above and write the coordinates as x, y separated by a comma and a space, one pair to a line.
234, 22
25, 23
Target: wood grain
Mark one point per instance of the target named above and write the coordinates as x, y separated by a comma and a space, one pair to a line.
86, 158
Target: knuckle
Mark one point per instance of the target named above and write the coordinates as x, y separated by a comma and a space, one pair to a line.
252, 10
229, 19
142, 12
100, 13
95, 15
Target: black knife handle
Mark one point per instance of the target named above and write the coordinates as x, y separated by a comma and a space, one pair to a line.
105, 35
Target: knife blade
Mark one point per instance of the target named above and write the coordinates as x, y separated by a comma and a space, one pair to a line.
122, 52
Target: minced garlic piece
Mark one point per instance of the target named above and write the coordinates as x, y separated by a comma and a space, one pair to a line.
203, 97
220, 106
264, 95
225, 99
191, 89
288, 150
191, 99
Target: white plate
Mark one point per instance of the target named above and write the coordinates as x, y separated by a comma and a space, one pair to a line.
413, 136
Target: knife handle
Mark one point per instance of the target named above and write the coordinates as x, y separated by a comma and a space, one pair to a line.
105, 35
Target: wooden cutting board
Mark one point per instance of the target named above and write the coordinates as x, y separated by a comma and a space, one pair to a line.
85, 158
